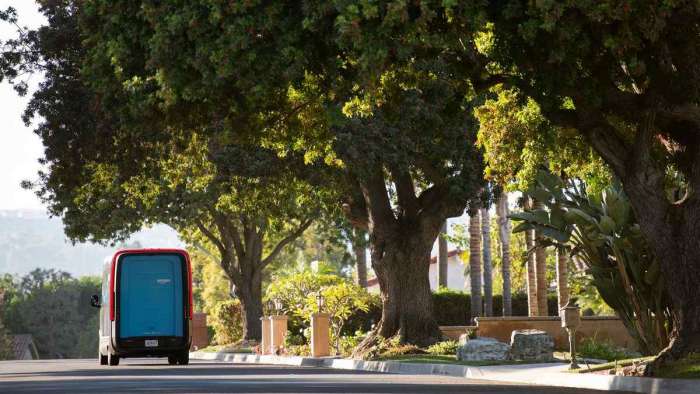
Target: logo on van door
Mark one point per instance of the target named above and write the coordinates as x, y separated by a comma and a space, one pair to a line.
163, 281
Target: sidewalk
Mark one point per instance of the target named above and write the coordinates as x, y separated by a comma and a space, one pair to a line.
538, 374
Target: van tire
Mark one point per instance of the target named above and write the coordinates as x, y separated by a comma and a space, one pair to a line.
103, 359
113, 359
184, 358
172, 360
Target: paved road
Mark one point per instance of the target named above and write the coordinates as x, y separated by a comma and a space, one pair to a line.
154, 375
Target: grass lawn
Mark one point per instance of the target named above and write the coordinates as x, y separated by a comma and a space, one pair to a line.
610, 365
446, 359
688, 368
230, 348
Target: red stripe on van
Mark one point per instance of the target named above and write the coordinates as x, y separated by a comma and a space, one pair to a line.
113, 269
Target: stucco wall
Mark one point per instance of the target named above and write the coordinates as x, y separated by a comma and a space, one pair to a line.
603, 328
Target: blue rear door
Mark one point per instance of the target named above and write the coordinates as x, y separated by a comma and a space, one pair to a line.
151, 295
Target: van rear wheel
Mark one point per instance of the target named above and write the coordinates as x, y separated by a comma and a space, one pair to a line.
184, 358
172, 360
113, 359
103, 359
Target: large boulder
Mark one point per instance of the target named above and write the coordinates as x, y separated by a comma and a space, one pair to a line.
482, 349
531, 345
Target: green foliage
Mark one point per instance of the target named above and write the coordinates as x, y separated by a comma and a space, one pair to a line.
601, 231
453, 308
54, 308
227, 322
298, 293
6, 349
518, 141
443, 348
348, 343
590, 347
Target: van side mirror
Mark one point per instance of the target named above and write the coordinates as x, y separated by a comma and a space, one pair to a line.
95, 301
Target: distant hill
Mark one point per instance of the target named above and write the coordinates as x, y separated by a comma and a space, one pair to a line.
29, 239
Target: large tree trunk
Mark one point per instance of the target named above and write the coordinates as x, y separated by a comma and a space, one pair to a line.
562, 277
401, 262
531, 279
675, 231
504, 237
442, 256
249, 292
475, 264
359, 246
486, 248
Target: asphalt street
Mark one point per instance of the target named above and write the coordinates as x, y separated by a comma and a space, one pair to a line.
155, 375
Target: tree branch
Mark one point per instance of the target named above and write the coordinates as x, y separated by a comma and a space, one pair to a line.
377, 198
405, 191
286, 240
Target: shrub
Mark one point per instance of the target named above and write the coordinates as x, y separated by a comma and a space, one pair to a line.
604, 350
453, 308
443, 348
348, 343
227, 322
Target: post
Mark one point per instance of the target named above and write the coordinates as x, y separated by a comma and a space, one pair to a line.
265, 347
442, 256
570, 320
278, 331
320, 334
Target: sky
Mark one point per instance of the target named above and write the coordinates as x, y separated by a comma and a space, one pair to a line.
20, 148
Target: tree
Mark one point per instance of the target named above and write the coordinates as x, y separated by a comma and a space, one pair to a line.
504, 238
53, 307
486, 248
532, 299
601, 232
238, 196
475, 263
442, 256
540, 253
626, 79
359, 246
562, 258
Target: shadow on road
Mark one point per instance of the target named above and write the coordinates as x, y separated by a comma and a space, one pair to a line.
266, 386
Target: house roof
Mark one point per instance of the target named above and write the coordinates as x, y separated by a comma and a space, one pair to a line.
20, 344
433, 260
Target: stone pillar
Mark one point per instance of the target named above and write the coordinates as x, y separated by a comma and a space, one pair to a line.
320, 335
278, 331
266, 335
200, 334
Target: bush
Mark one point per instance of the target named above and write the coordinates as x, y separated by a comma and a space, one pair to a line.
453, 308
227, 322
603, 350
364, 320
348, 343
443, 348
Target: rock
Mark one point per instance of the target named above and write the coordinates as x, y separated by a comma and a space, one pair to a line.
532, 345
482, 349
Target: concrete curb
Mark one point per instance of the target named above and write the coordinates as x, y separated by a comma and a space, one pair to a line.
535, 374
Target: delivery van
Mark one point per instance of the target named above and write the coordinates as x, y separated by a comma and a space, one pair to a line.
145, 306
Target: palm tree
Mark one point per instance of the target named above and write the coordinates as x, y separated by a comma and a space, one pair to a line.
540, 269
504, 237
562, 277
442, 256
531, 278
475, 263
486, 250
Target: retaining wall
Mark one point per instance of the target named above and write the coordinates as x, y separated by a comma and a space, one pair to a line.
603, 328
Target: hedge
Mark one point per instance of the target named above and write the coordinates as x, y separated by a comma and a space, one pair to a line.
451, 308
